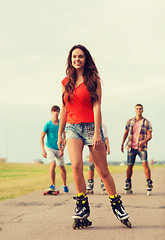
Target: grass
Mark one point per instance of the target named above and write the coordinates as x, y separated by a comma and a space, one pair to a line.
21, 179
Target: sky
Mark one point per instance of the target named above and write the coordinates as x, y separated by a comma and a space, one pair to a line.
126, 40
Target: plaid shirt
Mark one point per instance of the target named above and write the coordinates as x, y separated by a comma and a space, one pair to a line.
144, 128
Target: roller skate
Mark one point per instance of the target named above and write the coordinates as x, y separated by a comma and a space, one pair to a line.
149, 186
82, 212
128, 187
119, 210
102, 187
90, 186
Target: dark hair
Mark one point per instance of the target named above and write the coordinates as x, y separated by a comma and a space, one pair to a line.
139, 105
55, 108
91, 75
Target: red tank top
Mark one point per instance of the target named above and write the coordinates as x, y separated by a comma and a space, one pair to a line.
80, 108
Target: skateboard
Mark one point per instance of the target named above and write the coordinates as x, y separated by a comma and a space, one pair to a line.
51, 192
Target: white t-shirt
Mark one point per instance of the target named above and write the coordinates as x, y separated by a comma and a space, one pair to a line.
105, 131
136, 133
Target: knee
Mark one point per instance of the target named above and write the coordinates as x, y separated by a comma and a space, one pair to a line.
104, 174
52, 165
63, 170
129, 167
145, 165
76, 168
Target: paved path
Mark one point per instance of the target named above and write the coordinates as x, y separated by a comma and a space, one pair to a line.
38, 217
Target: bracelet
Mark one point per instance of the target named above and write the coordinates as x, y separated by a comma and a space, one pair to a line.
122, 145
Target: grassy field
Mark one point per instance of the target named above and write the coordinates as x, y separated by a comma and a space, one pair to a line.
21, 179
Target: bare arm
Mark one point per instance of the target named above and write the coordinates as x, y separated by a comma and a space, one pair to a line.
97, 118
148, 138
61, 140
107, 144
64, 136
44, 154
124, 138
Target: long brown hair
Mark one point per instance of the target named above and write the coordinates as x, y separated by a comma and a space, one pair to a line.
91, 75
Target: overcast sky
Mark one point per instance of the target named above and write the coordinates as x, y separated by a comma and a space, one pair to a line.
127, 42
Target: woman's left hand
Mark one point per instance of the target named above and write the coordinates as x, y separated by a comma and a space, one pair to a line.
97, 141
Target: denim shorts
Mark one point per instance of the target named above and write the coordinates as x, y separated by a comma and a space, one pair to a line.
131, 156
82, 131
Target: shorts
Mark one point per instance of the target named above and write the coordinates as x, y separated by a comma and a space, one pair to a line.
131, 156
53, 156
82, 131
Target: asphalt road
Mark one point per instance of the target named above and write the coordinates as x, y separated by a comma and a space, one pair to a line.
38, 217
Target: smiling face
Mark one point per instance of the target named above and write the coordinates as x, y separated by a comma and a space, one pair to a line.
138, 111
78, 59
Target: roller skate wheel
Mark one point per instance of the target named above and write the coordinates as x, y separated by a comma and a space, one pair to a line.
127, 223
104, 192
90, 192
83, 224
127, 192
148, 193
86, 223
76, 224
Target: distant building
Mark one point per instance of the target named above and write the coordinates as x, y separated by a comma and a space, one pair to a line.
2, 160
38, 161
122, 164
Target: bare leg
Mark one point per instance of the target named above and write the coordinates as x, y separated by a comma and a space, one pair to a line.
129, 171
90, 172
75, 148
63, 174
147, 170
52, 166
100, 161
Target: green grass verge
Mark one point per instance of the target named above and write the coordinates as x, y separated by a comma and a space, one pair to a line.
21, 179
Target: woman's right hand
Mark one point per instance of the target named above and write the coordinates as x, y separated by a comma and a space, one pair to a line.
97, 141
61, 144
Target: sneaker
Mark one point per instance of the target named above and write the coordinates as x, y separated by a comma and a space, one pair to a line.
52, 187
66, 190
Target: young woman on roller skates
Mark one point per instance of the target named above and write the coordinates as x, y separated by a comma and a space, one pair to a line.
81, 118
